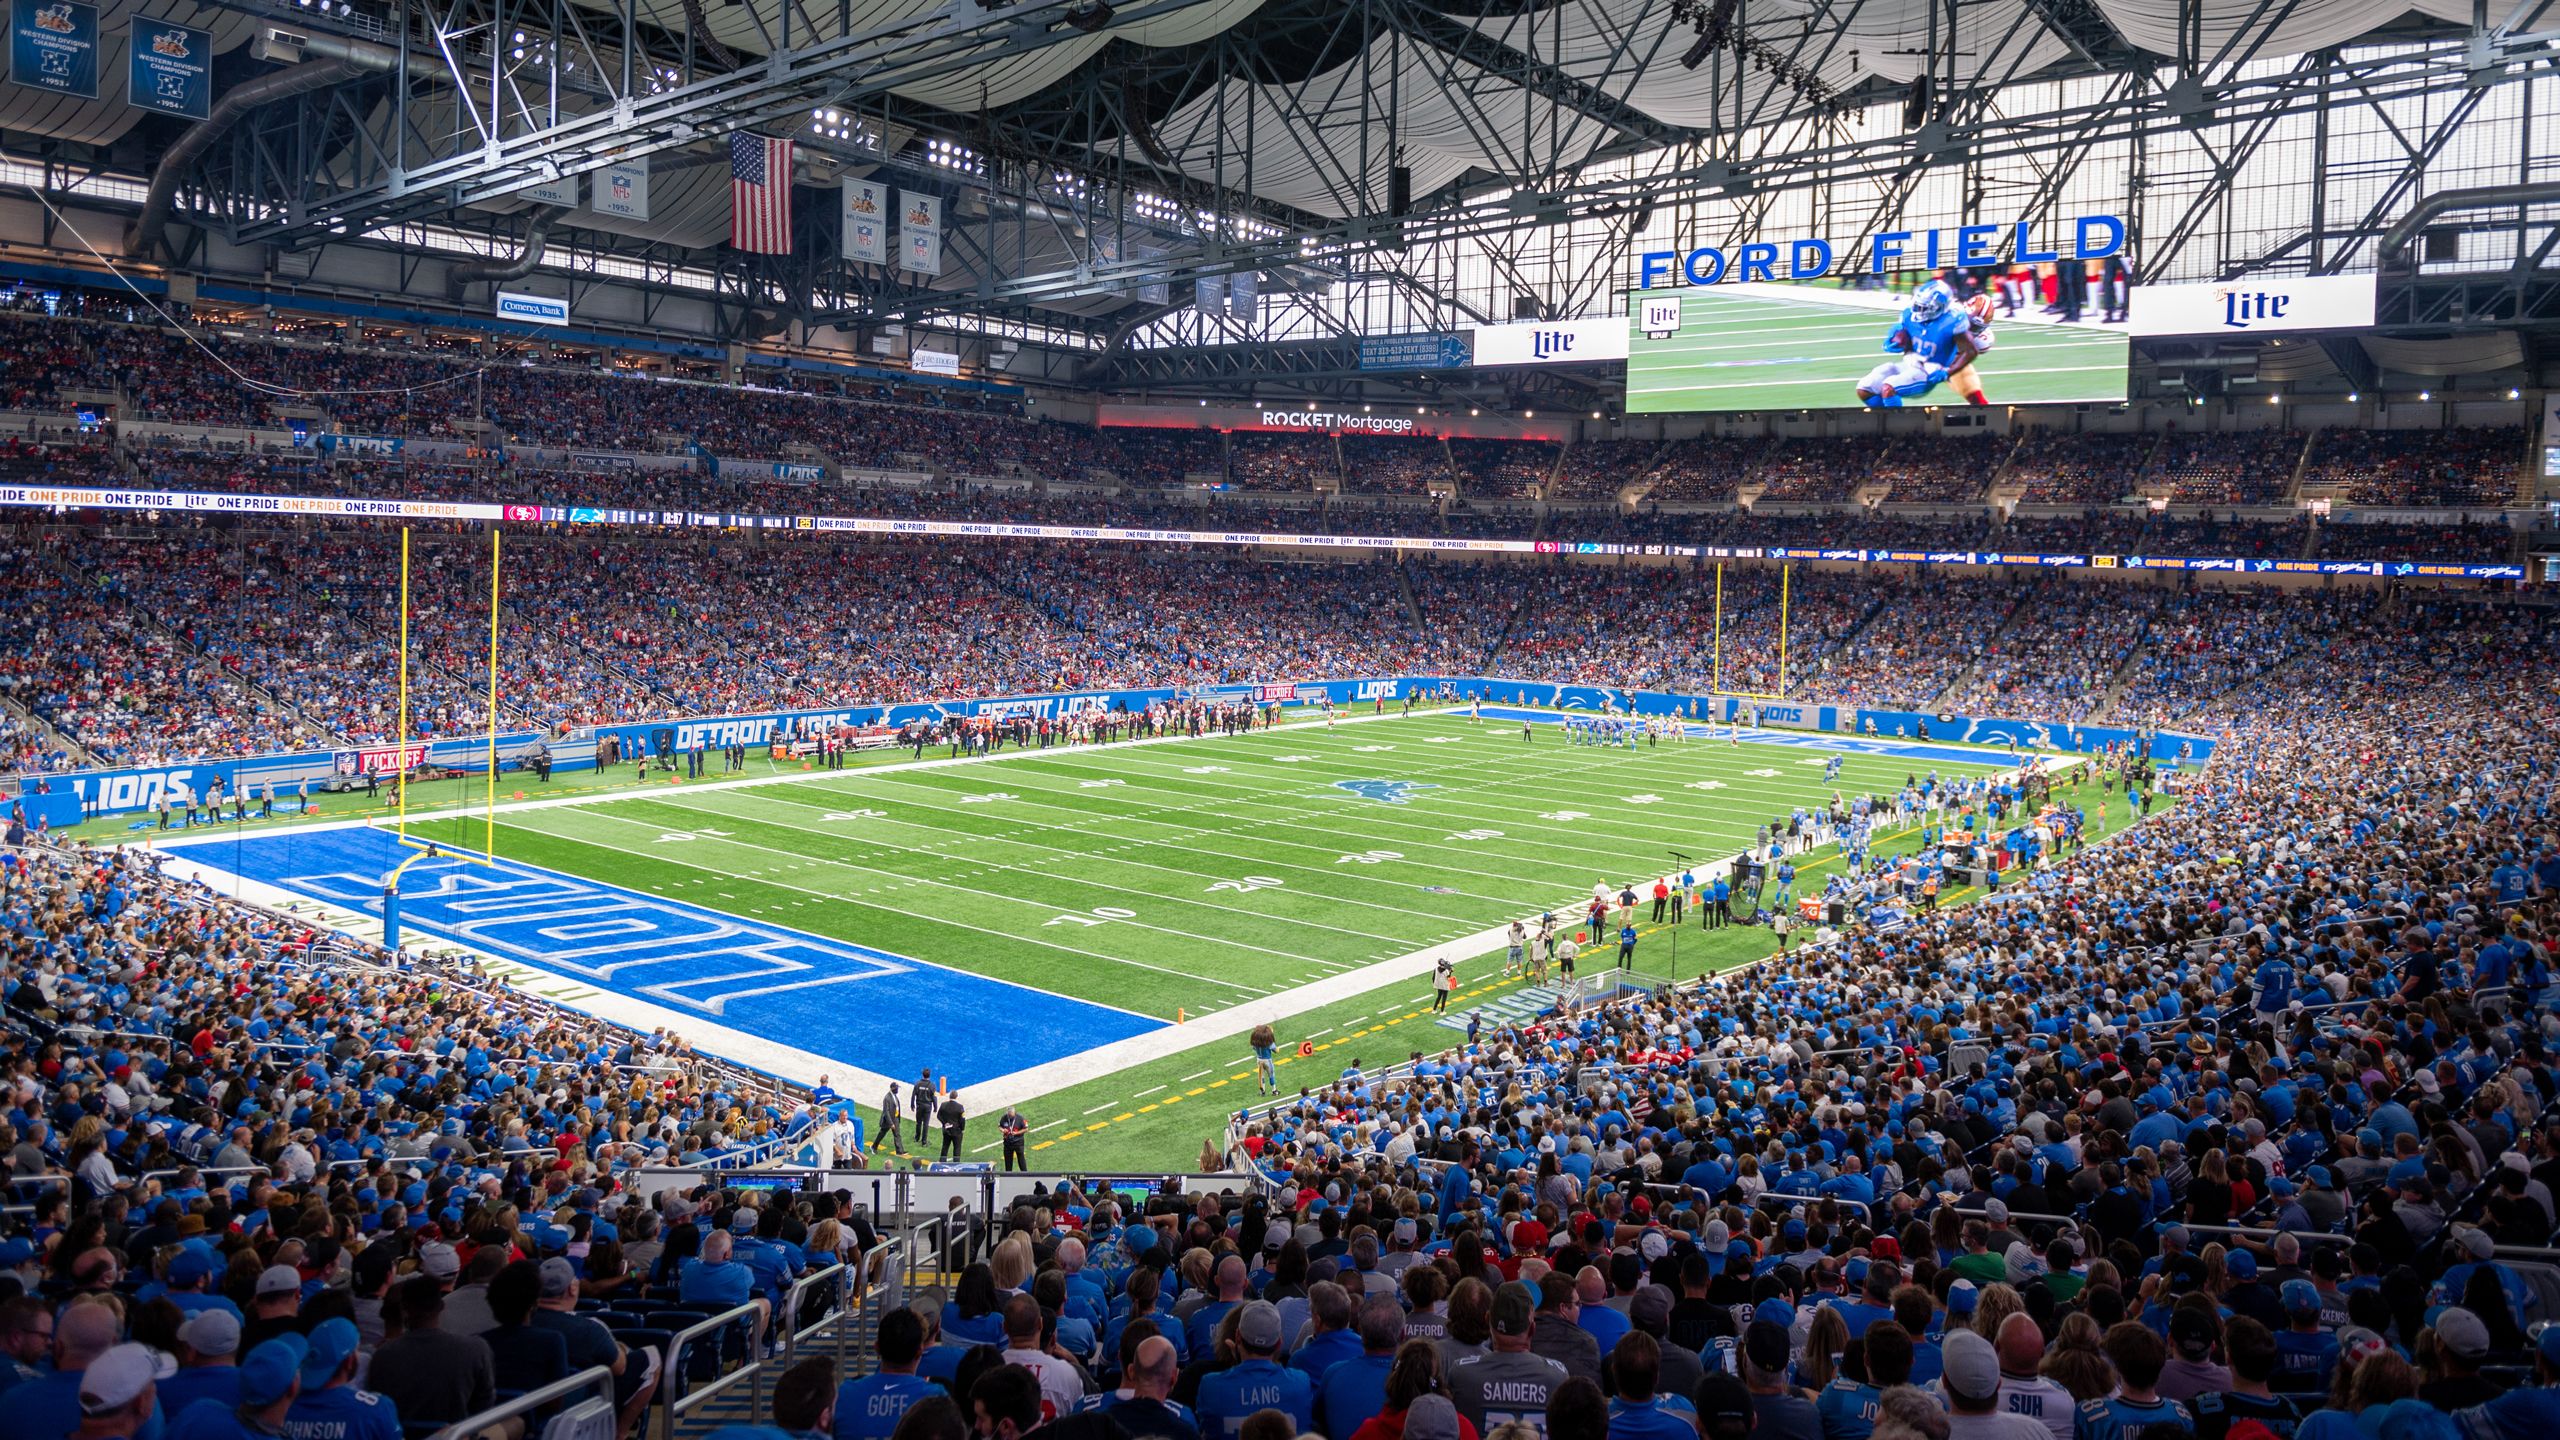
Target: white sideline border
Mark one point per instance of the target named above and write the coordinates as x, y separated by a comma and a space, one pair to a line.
806, 1067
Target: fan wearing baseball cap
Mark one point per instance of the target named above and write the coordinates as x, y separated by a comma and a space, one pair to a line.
1970, 1384
331, 1407
119, 1392
2527, 1412
2306, 1354
270, 1380
1258, 1381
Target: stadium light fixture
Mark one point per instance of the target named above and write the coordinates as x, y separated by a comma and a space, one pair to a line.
1528, 414
2352, 397
1472, 410
2426, 395
1595, 414
2275, 399
2514, 394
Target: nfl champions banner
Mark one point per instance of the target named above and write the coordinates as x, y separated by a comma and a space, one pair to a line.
920, 232
866, 221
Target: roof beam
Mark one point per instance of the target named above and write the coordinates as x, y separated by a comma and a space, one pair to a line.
1545, 79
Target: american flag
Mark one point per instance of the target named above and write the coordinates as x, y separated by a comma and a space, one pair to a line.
759, 194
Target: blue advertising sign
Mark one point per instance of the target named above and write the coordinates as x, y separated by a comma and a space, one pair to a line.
53, 45
1413, 352
169, 69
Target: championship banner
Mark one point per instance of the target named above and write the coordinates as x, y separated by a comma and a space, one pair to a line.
866, 221
1243, 295
622, 189
53, 45
563, 191
169, 69
920, 233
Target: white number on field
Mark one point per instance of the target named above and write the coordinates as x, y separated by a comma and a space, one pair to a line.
675, 836
1564, 815
855, 815
1644, 799
1477, 835
1101, 914
1099, 784
1245, 884
991, 795
1706, 785
1370, 857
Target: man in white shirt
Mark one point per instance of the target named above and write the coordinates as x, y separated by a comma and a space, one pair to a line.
1971, 1386
2022, 1390
1060, 1386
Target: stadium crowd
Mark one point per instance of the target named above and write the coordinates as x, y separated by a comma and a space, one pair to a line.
1968, 1174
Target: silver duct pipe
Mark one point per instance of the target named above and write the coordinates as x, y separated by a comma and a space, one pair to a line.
2484, 197
537, 238
342, 60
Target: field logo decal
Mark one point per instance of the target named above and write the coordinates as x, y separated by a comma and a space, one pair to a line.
1390, 792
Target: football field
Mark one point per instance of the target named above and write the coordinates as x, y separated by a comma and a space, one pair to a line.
1764, 351
1037, 922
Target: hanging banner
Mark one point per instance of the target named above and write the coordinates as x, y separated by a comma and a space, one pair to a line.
1552, 342
933, 362
563, 191
920, 232
622, 189
1209, 294
866, 221
169, 69
1242, 296
53, 45
534, 309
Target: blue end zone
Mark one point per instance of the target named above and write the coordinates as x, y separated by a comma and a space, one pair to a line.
842, 1002
1801, 739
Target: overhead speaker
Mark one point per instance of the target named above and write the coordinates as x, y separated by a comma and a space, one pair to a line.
1400, 191
2444, 245
1525, 307
1918, 105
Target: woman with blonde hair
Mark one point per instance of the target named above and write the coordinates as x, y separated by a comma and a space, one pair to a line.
1825, 1341
1997, 1302
2076, 1362
1011, 1263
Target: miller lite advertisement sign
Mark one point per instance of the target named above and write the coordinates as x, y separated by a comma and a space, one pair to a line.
1600, 339
2254, 305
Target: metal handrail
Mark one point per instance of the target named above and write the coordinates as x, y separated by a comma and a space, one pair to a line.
2252, 1232
598, 1377
1862, 1207
679, 1400
793, 1332
205, 1170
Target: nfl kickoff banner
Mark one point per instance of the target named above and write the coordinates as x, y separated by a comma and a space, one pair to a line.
622, 189
169, 69
53, 45
920, 232
866, 221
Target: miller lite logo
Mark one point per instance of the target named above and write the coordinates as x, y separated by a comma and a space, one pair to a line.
1547, 344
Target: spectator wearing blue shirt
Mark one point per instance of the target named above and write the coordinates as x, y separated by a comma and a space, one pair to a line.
1639, 1412
212, 1369
714, 1277
330, 1407
1329, 1311
869, 1408
1350, 1391
1258, 1382
1201, 1331
270, 1379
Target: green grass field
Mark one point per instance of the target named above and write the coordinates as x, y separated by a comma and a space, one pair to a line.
1195, 877
1762, 352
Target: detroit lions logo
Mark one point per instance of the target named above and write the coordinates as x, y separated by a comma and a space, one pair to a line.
1390, 792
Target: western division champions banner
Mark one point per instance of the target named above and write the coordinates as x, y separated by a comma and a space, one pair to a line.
920, 232
53, 45
622, 189
866, 221
169, 69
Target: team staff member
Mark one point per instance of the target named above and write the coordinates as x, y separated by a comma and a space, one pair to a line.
955, 1121
1014, 1129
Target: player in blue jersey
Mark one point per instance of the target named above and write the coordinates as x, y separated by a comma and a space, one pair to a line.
1933, 343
